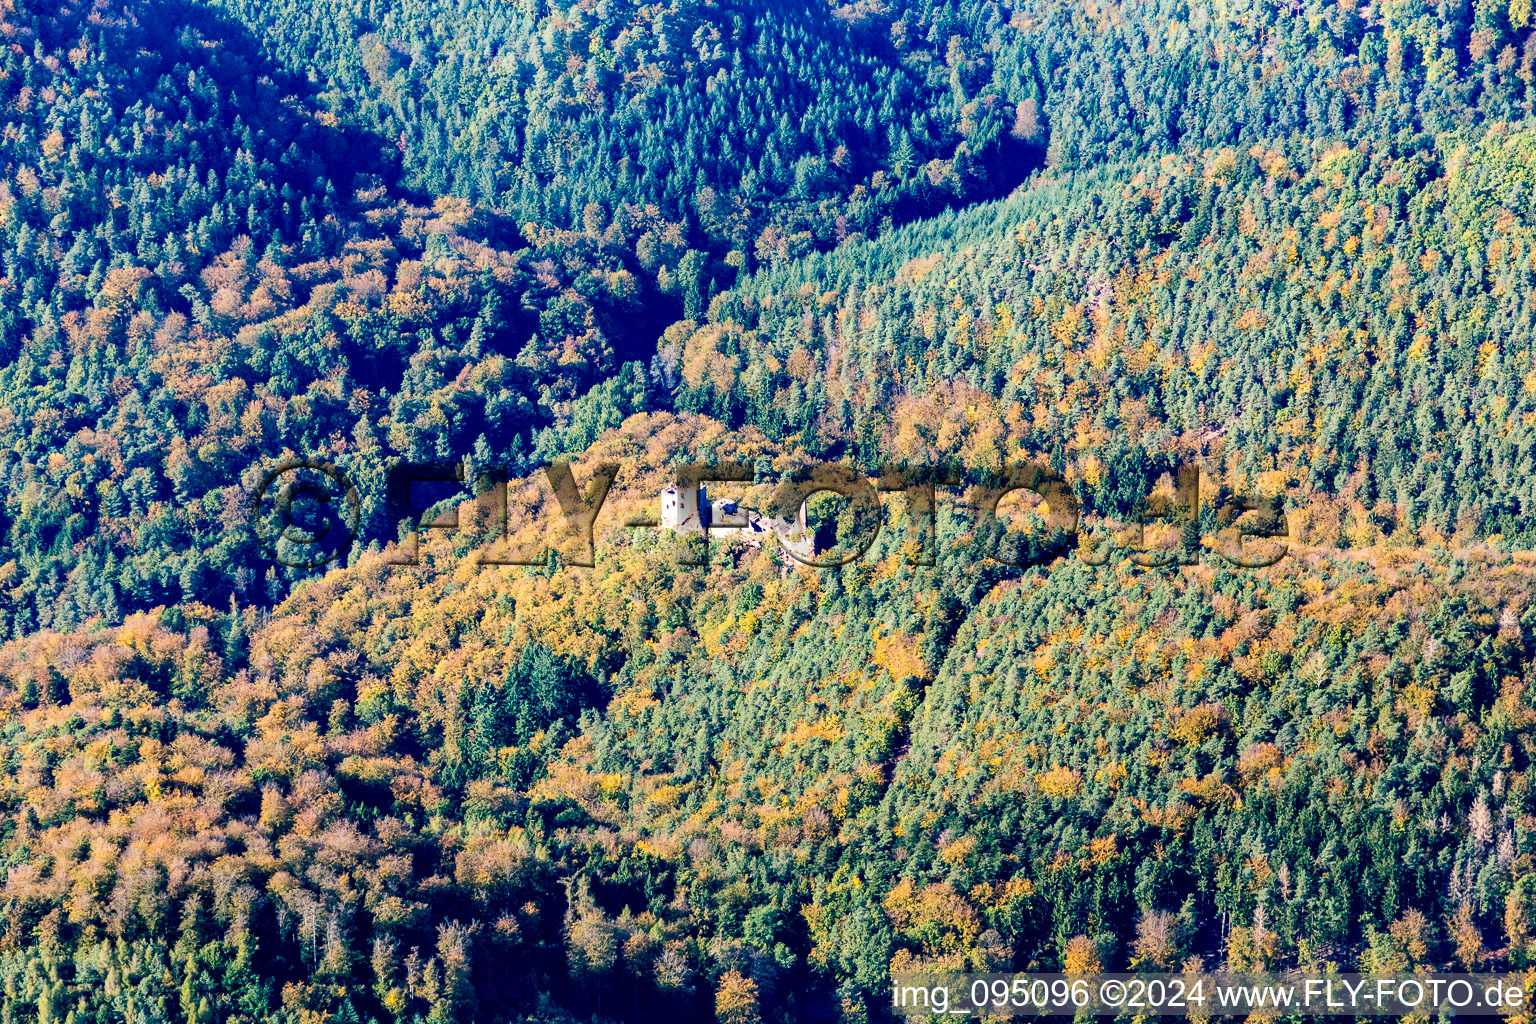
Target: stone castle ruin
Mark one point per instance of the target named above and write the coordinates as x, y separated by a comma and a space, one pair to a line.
687, 508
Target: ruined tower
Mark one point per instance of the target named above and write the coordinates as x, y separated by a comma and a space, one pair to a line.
680, 507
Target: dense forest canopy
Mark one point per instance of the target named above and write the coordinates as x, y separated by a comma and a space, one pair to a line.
1284, 247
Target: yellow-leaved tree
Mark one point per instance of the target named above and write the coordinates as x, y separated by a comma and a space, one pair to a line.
736, 1000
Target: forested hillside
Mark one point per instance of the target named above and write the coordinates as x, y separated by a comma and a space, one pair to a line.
202, 273
652, 792
762, 130
1291, 242
1352, 330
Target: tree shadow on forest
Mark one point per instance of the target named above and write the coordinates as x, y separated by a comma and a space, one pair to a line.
280, 103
